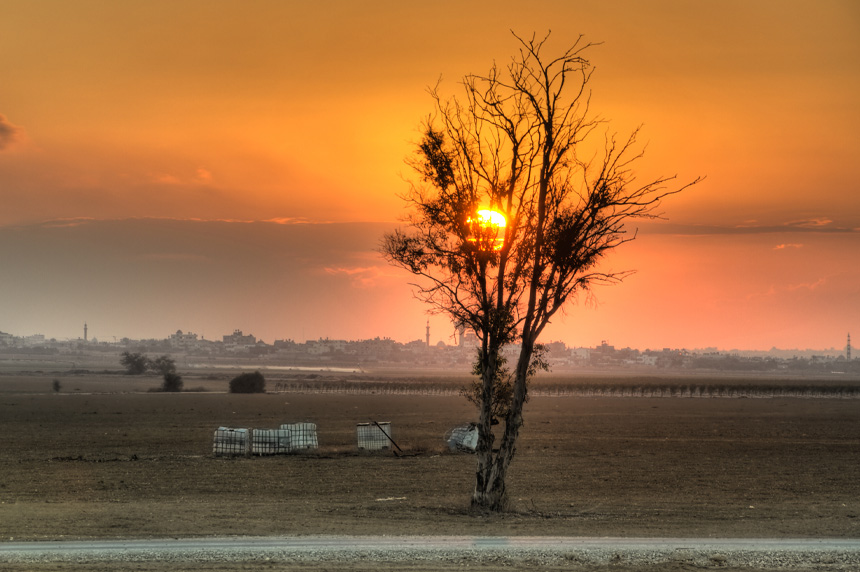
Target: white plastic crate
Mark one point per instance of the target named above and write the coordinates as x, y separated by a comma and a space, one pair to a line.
374, 436
302, 435
270, 441
230, 441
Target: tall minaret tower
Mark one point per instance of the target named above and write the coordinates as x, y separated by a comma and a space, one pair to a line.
848, 349
85, 331
428, 332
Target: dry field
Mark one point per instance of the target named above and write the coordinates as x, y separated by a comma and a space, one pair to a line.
105, 459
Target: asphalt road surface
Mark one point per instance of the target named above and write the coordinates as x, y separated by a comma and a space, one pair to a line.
807, 554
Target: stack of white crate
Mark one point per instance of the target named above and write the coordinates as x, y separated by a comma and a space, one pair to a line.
286, 439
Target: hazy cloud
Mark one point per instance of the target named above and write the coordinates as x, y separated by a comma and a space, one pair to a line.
66, 222
287, 220
817, 225
204, 176
360, 277
166, 179
8, 132
201, 176
819, 222
782, 289
784, 246
807, 285
174, 257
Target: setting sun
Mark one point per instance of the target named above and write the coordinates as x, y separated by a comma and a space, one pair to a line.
487, 217
490, 224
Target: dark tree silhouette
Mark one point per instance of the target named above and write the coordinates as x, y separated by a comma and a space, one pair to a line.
134, 363
163, 365
248, 383
172, 382
520, 141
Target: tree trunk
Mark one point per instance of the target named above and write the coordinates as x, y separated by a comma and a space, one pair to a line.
490, 480
492, 470
485, 481
490, 490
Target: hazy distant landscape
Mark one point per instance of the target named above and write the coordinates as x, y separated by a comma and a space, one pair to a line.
239, 350
146, 278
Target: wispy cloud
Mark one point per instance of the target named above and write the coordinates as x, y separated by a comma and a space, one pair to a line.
77, 221
820, 222
781, 289
204, 176
360, 276
67, 222
810, 286
813, 225
287, 220
174, 257
784, 246
165, 179
8, 132
201, 176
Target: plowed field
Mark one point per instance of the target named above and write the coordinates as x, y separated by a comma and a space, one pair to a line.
81, 464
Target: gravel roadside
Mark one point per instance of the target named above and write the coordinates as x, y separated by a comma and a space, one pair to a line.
429, 553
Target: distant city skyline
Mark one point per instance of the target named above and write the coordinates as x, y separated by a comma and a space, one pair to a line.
846, 349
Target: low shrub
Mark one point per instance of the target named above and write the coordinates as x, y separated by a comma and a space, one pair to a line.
172, 382
248, 383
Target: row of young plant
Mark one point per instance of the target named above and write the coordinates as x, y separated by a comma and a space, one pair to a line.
722, 390
582, 390
363, 388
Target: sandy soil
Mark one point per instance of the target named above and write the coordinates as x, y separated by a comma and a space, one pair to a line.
127, 465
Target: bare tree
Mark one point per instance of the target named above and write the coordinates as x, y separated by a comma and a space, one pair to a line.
521, 141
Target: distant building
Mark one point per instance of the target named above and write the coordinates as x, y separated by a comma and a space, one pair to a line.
324, 346
237, 341
285, 345
466, 337
580, 354
182, 340
34, 340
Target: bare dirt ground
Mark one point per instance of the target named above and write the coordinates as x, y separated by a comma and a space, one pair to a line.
85, 465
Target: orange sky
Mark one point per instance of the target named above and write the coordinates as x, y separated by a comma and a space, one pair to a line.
289, 111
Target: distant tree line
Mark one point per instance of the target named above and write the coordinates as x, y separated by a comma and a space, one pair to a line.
139, 364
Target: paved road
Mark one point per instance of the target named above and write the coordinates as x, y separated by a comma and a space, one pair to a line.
811, 554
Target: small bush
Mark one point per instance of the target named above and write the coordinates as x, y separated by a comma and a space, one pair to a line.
172, 382
57, 386
248, 383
